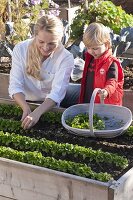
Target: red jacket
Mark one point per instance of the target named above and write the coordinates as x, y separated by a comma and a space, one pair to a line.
113, 86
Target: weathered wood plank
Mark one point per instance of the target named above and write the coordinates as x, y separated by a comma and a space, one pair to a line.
23, 182
5, 198
128, 99
4, 82
123, 188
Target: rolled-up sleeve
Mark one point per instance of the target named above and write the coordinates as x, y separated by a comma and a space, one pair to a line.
16, 80
61, 79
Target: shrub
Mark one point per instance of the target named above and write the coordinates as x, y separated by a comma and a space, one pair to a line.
100, 11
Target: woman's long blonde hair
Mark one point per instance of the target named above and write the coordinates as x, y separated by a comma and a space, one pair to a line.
50, 24
96, 34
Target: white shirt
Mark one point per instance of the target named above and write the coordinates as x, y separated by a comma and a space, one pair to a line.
55, 72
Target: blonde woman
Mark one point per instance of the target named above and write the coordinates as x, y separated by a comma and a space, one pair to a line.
41, 69
102, 69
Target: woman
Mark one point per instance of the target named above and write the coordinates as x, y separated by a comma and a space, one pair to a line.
41, 69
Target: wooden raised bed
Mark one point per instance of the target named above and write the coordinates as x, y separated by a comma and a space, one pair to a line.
20, 181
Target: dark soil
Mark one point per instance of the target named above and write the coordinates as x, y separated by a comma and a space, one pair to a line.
122, 145
128, 77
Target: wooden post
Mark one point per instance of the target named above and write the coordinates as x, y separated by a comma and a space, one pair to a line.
69, 4
9, 10
17, 8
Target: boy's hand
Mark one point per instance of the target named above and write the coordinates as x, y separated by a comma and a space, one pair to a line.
103, 93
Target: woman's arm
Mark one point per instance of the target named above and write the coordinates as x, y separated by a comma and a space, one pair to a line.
16, 80
29, 118
20, 100
61, 79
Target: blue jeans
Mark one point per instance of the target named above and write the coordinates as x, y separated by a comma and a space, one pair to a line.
72, 95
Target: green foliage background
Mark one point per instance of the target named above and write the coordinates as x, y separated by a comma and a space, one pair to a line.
21, 25
100, 11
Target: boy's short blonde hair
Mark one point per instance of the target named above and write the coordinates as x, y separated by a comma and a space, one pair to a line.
96, 34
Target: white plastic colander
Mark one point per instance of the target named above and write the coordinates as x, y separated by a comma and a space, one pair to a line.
119, 118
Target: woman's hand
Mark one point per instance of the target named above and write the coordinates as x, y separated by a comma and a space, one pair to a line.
34, 116
20, 100
30, 120
26, 112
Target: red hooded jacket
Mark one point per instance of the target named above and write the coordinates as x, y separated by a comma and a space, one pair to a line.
113, 86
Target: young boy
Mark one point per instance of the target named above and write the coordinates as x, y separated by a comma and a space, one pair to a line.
102, 69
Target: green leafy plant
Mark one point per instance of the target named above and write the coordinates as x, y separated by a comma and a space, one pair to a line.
81, 121
129, 132
100, 11
3, 4
36, 158
55, 149
22, 25
15, 112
